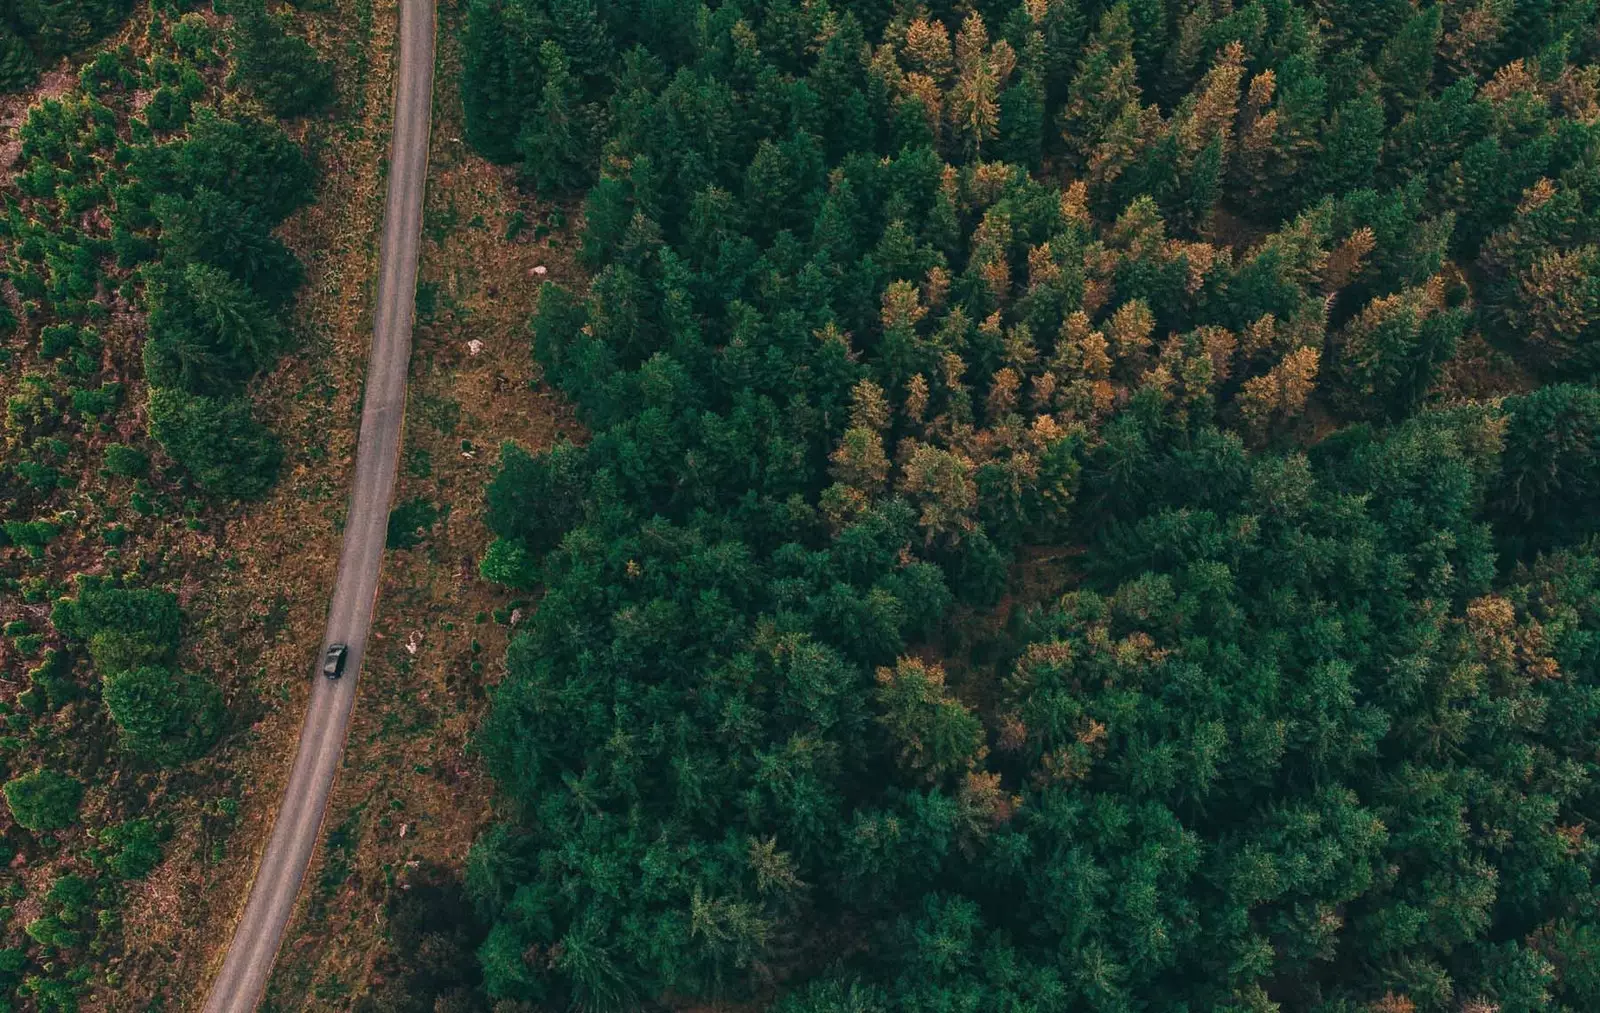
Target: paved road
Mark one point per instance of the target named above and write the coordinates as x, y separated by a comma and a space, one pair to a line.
294, 836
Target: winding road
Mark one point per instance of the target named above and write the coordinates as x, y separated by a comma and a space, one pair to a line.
239, 986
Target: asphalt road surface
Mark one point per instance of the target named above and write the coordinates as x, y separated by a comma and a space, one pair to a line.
256, 938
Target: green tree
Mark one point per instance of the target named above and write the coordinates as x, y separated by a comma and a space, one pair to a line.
212, 229
132, 849
248, 160
44, 800
1406, 63
125, 461
209, 334
220, 444
123, 627
163, 716
501, 50
1391, 353
279, 68
935, 735
535, 499
1549, 476
554, 142
18, 67
1352, 148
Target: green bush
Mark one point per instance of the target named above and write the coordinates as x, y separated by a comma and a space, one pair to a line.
95, 403
57, 340
44, 800
140, 624
168, 109
164, 716
132, 848
53, 932
409, 522
125, 461
18, 68
508, 563
194, 37
42, 478
280, 69
32, 535
225, 450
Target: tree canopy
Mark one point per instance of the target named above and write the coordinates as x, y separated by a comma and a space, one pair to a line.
1085, 507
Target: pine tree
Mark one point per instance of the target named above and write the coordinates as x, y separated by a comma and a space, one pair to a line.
1279, 396
18, 67
1391, 353
1548, 487
208, 333
934, 734
981, 71
163, 716
215, 230
280, 69
1556, 307
220, 444
1405, 65
1022, 120
1105, 87
554, 142
501, 68
1353, 145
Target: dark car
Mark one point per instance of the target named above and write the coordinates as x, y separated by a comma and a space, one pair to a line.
333, 661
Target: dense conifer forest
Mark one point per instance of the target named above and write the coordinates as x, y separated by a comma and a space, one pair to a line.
1087, 507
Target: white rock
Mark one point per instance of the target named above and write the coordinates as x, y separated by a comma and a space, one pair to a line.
541, 269
474, 346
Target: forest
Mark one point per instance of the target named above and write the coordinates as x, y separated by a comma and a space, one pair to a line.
1086, 506
144, 284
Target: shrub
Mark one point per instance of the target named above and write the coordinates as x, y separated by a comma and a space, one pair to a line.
131, 849
508, 563
100, 615
225, 450
125, 461
94, 403
32, 535
164, 716
194, 37
44, 800
53, 932
409, 523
